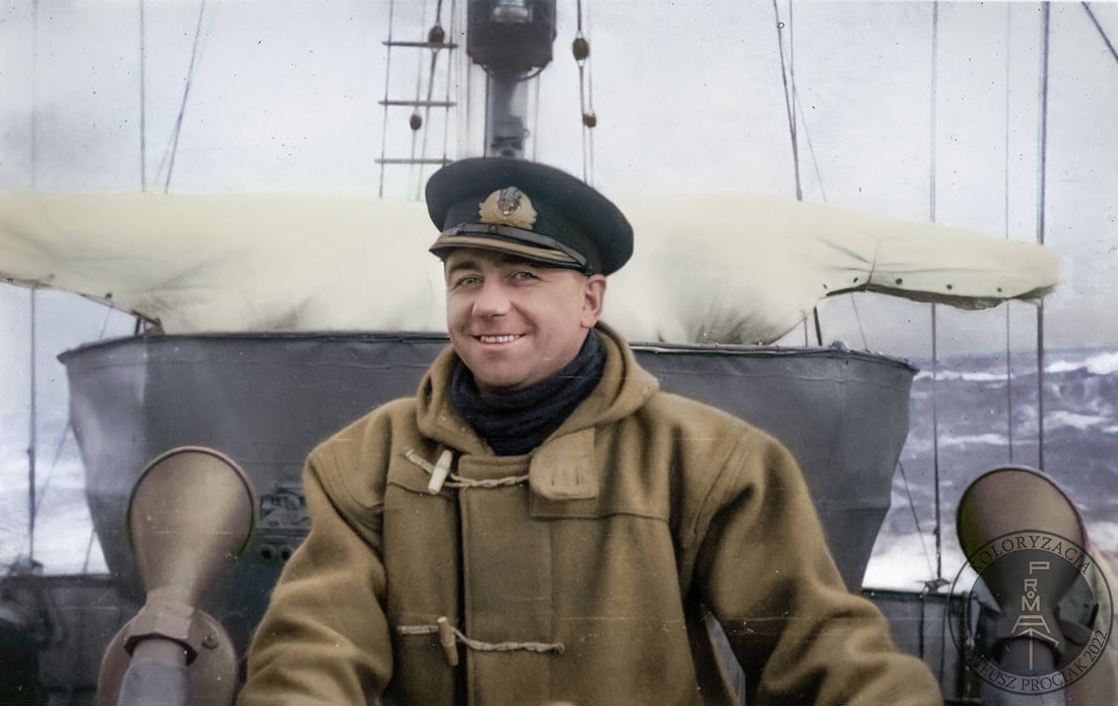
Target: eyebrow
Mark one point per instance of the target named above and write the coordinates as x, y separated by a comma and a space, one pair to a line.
451, 266
502, 259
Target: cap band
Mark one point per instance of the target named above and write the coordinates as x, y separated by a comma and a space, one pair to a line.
532, 245
535, 211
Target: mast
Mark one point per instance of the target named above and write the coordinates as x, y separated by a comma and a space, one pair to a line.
511, 40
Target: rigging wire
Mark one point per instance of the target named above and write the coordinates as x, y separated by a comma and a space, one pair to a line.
174, 147
580, 48
938, 581
85, 561
935, 347
422, 103
788, 78
1042, 168
592, 116
449, 78
810, 145
1102, 33
387, 73
143, 106
32, 443
140, 320
915, 517
415, 115
536, 120
802, 119
32, 390
67, 433
436, 35
467, 118
787, 74
1005, 216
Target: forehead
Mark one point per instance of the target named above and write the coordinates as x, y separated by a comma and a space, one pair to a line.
461, 258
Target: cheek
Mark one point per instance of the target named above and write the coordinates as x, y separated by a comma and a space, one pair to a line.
456, 308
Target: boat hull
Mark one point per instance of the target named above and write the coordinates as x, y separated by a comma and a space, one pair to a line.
266, 400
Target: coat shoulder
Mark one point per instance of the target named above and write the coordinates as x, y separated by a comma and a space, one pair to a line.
684, 412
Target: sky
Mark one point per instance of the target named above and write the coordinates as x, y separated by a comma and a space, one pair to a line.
904, 109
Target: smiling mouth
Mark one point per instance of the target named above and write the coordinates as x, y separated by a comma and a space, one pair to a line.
499, 339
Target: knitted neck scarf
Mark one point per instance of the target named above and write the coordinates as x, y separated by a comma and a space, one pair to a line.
514, 423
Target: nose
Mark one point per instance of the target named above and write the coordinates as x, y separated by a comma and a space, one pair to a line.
492, 299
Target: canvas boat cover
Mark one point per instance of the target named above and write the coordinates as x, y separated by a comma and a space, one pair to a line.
729, 268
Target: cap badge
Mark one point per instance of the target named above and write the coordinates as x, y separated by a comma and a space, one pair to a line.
510, 207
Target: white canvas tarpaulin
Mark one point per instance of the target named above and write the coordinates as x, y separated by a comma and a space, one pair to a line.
737, 268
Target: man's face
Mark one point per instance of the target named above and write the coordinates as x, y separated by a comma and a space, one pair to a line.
515, 323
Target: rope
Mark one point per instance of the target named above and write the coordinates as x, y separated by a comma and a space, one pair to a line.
581, 50
479, 645
418, 92
457, 481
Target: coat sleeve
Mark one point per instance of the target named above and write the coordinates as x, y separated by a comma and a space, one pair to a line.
324, 638
764, 570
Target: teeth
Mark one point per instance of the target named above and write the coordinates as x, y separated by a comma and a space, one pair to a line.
498, 339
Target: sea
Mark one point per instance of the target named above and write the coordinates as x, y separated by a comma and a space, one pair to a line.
968, 415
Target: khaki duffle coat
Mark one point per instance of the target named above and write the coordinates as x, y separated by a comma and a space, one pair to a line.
583, 572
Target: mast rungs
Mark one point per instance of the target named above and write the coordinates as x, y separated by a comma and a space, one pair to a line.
416, 160
422, 45
420, 104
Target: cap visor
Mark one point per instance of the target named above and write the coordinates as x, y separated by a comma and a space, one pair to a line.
548, 256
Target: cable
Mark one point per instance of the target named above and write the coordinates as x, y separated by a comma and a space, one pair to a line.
935, 333
1042, 170
387, 74
32, 443
449, 78
915, 517
580, 48
415, 132
143, 106
1005, 216
185, 97
785, 72
1102, 33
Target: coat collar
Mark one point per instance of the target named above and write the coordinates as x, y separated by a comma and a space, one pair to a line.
623, 389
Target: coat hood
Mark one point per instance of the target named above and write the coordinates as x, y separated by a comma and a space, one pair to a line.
624, 388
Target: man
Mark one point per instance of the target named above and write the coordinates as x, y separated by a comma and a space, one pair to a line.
541, 524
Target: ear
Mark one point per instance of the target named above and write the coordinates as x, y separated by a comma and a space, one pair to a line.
594, 294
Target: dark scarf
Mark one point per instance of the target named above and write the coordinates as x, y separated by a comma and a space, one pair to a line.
517, 422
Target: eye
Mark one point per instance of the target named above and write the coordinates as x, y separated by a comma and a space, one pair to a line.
465, 281
524, 275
